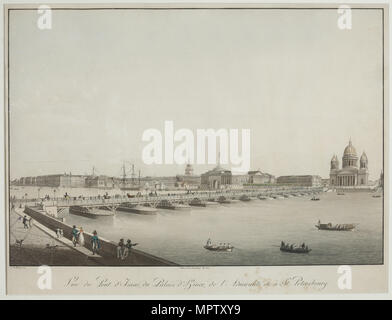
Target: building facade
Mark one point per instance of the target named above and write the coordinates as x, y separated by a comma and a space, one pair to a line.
258, 177
349, 175
217, 178
301, 181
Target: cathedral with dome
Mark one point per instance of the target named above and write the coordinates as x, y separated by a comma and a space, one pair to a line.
349, 175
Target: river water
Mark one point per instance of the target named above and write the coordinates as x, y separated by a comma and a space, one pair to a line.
255, 229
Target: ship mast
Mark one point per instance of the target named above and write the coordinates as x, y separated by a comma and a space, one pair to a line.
124, 175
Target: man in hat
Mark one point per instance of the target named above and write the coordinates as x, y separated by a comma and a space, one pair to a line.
75, 233
95, 242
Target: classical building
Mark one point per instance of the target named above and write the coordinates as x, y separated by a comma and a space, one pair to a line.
301, 181
220, 178
54, 180
349, 175
100, 181
216, 178
258, 177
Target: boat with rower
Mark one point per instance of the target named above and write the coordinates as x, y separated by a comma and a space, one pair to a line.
284, 247
89, 212
337, 227
225, 247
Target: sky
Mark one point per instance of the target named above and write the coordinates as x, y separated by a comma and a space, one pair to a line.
82, 93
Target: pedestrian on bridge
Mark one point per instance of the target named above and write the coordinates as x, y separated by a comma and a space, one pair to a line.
127, 248
75, 233
95, 243
25, 222
120, 249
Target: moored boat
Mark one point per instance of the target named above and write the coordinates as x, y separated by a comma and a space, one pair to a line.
134, 208
223, 199
89, 212
165, 204
197, 203
244, 197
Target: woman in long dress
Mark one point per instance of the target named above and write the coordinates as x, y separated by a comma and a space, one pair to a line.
81, 237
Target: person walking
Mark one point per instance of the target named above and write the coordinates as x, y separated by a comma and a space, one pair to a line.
25, 220
74, 233
120, 249
81, 237
127, 248
95, 243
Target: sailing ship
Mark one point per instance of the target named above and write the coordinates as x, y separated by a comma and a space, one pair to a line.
129, 187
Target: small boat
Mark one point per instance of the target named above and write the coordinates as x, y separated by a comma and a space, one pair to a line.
224, 248
244, 197
89, 212
314, 198
295, 249
376, 196
197, 203
336, 227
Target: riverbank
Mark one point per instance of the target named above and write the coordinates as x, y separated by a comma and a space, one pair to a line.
38, 248
107, 253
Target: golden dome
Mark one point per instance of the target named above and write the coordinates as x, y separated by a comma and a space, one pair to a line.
350, 150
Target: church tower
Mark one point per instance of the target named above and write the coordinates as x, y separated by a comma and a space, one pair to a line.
363, 173
334, 170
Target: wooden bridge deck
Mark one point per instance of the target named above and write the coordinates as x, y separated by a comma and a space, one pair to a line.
113, 202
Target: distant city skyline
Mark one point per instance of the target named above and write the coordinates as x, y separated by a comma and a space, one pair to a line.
92, 84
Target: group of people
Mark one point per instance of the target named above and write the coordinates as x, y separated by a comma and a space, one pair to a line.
123, 248
77, 236
59, 233
292, 246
